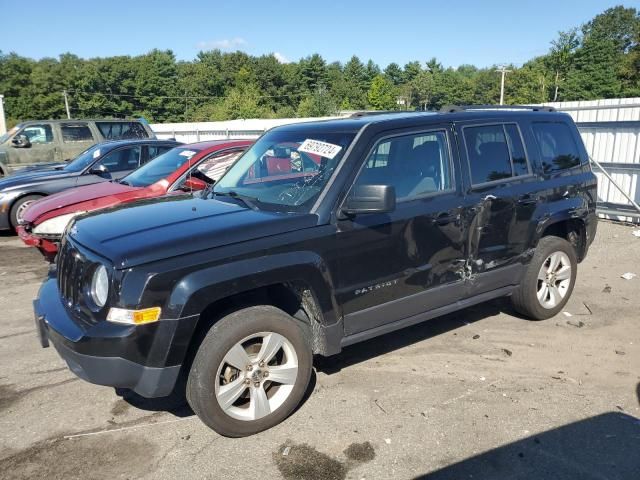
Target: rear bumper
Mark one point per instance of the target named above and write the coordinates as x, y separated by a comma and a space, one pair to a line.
77, 344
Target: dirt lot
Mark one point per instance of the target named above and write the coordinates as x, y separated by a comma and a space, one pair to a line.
480, 394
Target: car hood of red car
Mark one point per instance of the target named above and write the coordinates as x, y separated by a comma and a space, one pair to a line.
87, 198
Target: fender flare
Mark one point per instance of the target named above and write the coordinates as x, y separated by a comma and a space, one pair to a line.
195, 291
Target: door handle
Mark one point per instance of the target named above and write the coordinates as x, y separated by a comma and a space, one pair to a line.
445, 219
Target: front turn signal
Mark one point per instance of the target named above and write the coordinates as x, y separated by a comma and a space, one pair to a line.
134, 317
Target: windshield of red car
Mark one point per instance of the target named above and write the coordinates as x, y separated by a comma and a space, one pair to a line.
160, 167
285, 170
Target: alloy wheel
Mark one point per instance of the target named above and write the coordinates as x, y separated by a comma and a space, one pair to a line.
554, 279
256, 376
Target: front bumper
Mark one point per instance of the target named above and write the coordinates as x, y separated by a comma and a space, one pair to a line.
47, 247
77, 343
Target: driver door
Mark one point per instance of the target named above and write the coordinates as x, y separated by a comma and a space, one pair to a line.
400, 264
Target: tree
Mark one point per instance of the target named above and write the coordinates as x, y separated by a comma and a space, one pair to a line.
561, 57
382, 94
356, 84
394, 73
319, 104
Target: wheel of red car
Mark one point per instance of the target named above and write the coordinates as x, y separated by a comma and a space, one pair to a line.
20, 206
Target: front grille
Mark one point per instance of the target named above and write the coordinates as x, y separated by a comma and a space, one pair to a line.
71, 270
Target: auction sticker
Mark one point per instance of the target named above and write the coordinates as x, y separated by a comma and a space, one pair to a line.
327, 150
187, 153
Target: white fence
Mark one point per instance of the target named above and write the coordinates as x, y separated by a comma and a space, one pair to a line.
610, 130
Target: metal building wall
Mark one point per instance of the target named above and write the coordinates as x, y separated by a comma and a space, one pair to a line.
610, 130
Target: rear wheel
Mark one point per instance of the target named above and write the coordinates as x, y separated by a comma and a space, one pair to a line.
548, 281
18, 208
250, 372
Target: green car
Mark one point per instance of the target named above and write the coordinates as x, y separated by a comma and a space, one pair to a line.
39, 142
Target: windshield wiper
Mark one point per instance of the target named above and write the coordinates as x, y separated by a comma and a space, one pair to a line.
248, 201
124, 182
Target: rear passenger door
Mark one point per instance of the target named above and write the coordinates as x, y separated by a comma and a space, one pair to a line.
500, 201
76, 137
396, 265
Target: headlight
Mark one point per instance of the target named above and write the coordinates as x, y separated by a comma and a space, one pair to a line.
56, 225
100, 286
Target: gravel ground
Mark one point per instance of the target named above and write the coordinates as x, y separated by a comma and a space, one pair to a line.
480, 393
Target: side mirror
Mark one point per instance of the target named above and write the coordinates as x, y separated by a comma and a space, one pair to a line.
370, 199
195, 184
21, 141
100, 170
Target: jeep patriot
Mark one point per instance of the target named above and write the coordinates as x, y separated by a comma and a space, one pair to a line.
376, 222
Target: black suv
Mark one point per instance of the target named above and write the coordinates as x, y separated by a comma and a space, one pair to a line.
321, 235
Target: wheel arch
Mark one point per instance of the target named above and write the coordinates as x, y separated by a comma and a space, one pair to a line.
573, 229
298, 284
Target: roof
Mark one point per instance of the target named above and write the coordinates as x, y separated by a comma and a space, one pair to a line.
137, 141
208, 144
67, 120
407, 119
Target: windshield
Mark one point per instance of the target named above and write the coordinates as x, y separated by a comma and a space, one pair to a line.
6, 136
83, 160
285, 170
159, 168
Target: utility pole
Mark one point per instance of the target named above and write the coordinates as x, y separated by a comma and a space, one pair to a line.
504, 72
66, 104
3, 123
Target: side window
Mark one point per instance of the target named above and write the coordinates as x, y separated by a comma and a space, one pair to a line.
214, 167
38, 134
415, 165
488, 153
495, 152
558, 149
72, 133
155, 150
122, 159
121, 130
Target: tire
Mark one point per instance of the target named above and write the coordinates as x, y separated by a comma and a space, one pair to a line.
19, 205
214, 382
545, 288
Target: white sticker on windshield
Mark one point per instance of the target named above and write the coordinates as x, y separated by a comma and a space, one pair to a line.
187, 153
327, 150
96, 154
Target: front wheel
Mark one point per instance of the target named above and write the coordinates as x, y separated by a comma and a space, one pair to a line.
250, 372
19, 207
549, 280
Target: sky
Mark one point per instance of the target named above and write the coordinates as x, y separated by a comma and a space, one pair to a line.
481, 32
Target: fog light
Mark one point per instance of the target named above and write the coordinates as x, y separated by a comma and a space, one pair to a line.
134, 317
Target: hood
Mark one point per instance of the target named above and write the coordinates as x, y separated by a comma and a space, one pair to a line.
150, 230
30, 177
41, 167
69, 201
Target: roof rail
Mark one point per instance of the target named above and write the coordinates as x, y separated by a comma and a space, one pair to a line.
367, 113
465, 108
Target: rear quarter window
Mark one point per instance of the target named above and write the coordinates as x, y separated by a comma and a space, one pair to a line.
121, 130
557, 146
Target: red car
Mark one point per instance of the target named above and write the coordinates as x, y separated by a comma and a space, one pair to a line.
185, 168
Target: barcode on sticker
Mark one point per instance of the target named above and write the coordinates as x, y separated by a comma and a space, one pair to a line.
324, 149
